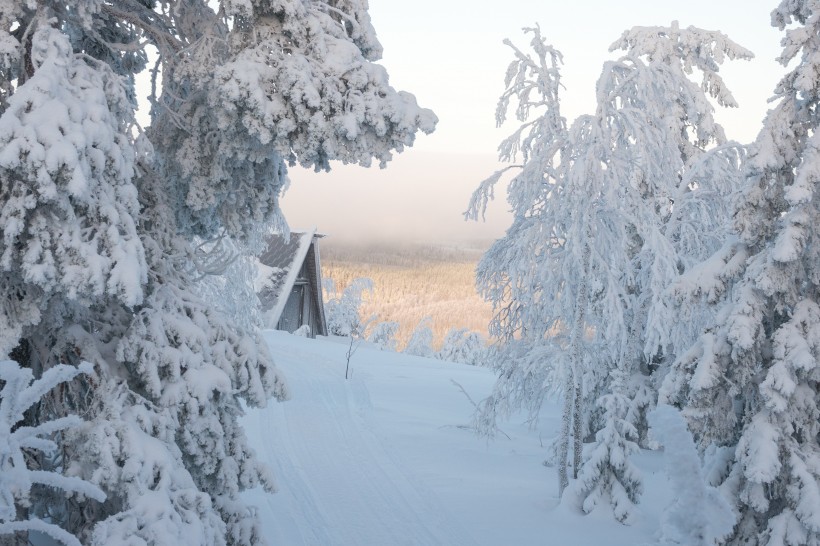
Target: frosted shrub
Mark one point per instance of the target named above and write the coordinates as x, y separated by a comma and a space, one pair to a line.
342, 311
421, 340
463, 347
383, 335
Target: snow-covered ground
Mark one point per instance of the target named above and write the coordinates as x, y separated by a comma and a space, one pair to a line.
387, 458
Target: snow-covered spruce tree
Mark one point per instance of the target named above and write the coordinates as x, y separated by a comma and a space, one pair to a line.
588, 257
749, 385
103, 226
68, 209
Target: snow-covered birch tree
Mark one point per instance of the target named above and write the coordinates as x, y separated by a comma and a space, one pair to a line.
604, 219
104, 227
749, 385
550, 269
513, 284
673, 197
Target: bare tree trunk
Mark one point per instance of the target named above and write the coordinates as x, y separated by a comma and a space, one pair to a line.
577, 430
577, 342
566, 419
573, 388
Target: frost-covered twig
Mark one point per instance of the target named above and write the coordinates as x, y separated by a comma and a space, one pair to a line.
19, 393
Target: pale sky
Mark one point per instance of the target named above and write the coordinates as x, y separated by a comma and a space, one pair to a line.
449, 53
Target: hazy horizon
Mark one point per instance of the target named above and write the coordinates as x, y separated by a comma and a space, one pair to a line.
419, 198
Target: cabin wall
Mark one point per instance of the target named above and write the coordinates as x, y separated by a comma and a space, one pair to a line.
301, 307
293, 300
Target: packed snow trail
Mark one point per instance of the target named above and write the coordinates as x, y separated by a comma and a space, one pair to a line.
338, 484
387, 458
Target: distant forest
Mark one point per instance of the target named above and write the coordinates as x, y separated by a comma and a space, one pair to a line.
411, 282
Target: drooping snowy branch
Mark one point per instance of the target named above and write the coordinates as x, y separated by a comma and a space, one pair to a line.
19, 393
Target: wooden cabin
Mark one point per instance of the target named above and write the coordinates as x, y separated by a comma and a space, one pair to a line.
290, 287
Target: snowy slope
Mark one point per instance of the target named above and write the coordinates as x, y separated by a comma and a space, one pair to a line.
386, 458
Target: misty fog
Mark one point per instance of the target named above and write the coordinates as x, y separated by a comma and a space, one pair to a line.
418, 198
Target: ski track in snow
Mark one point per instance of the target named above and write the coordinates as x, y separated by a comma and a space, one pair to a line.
343, 485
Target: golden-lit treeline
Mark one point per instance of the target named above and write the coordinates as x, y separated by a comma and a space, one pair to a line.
412, 282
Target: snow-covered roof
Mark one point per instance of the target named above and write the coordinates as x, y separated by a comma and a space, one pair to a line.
280, 263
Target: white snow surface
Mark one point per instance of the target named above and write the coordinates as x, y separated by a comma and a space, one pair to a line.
387, 458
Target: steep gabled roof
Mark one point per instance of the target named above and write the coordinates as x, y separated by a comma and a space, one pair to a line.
280, 263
